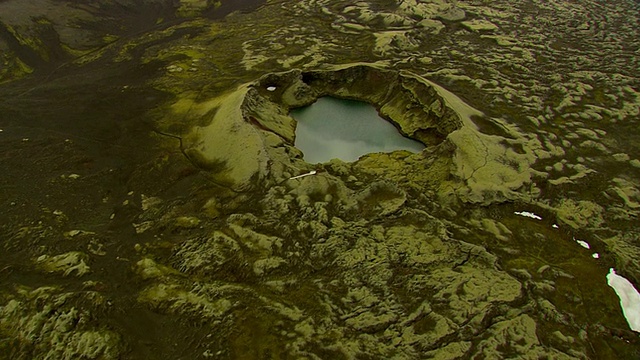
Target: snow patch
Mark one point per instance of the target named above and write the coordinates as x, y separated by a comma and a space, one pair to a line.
629, 298
312, 172
584, 244
528, 214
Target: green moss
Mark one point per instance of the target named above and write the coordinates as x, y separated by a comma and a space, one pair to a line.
229, 143
13, 68
33, 43
110, 38
22, 68
43, 21
190, 8
149, 269
580, 214
174, 299
42, 323
66, 263
73, 52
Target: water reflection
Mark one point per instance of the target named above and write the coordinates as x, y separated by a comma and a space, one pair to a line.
345, 129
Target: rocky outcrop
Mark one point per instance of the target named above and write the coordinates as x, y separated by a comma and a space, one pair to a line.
47, 323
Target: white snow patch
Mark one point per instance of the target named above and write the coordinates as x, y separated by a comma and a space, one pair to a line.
271, 88
629, 298
584, 244
528, 214
312, 172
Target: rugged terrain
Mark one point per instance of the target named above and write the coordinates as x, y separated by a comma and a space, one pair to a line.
147, 208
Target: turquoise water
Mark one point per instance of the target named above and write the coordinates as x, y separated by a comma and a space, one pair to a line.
334, 128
